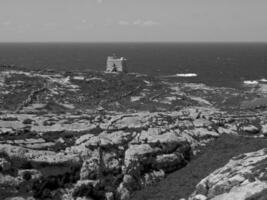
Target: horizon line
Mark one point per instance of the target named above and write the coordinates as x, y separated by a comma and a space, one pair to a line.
143, 42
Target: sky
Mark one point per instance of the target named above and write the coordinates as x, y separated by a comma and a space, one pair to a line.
133, 20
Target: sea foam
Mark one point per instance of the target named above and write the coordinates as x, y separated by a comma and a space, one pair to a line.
248, 82
263, 80
187, 75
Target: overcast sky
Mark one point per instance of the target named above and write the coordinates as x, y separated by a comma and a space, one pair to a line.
133, 20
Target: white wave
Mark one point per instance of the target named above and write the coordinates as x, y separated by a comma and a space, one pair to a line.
187, 75
263, 80
251, 82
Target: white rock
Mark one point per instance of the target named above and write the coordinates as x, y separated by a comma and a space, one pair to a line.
239, 179
250, 129
123, 192
200, 197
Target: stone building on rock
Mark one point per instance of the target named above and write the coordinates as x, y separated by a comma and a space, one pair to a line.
115, 64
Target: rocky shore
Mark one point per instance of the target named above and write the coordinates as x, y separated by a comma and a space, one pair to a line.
243, 177
94, 135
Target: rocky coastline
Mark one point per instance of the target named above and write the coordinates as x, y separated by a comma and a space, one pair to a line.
95, 135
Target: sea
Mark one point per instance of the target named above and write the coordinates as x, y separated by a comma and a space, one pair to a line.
214, 64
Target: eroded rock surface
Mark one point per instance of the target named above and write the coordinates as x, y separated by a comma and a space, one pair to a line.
92, 135
243, 178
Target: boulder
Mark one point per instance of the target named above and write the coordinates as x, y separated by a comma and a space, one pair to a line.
169, 162
200, 197
27, 121
168, 141
228, 129
203, 133
250, 129
139, 152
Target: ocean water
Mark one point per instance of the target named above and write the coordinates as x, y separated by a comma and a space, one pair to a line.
216, 64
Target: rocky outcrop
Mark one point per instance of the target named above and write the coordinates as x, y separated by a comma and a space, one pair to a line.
250, 129
128, 152
80, 138
125, 151
20, 156
241, 178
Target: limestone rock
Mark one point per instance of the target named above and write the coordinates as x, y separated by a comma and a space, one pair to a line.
243, 192
6, 180
123, 193
4, 164
109, 196
83, 138
168, 140
128, 179
30, 174
84, 188
21, 198
90, 169
169, 162
250, 129
152, 178
139, 152
51, 163
199, 197
201, 123
64, 120
4, 130
242, 177
130, 182
23, 154
227, 129
203, 133
112, 162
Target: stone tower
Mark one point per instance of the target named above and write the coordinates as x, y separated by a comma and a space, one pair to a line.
115, 64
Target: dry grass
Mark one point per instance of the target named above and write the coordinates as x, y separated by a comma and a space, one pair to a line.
181, 183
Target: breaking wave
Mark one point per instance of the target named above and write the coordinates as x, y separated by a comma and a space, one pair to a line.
187, 75
249, 82
263, 80
255, 82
